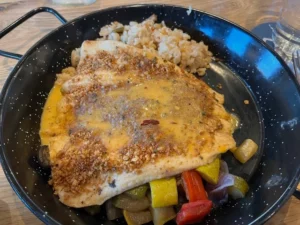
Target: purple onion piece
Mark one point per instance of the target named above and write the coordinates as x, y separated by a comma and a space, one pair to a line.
218, 193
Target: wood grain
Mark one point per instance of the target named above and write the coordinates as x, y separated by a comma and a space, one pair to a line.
247, 13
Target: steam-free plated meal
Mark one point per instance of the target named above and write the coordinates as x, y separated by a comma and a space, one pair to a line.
130, 127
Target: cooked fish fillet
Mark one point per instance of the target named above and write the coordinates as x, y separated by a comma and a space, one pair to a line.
126, 117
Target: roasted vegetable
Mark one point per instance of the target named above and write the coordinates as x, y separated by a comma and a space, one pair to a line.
93, 210
193, 186
245, 151
218, 193
124, 201
235, 122
162, 215
137, 218
112, 212
239, 188
44, 156
210, 172
164, 192
138, 192
233, 149
193, 212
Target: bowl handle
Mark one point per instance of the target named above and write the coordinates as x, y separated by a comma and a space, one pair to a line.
23, 19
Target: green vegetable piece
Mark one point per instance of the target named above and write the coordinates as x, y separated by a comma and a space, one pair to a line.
137, 218
138, 192
124, 201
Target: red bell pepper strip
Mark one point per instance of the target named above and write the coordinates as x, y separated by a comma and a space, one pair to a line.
193, 212
193, 186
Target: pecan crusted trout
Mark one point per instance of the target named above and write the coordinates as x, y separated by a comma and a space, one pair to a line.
126, 117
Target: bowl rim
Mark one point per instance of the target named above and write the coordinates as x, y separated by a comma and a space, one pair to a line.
37, 211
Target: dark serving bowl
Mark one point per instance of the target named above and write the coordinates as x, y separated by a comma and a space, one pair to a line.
245, 67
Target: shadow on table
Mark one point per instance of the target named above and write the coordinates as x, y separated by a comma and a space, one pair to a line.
5, 216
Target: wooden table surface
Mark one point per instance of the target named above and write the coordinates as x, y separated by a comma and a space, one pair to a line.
247, 13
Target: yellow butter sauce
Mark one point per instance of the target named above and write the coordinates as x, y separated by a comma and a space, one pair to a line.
50, 114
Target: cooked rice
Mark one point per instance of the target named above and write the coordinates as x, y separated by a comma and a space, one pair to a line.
172, 45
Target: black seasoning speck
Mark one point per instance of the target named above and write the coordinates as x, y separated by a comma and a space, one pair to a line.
112, 184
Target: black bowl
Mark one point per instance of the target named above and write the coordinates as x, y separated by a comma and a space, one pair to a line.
247, 70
